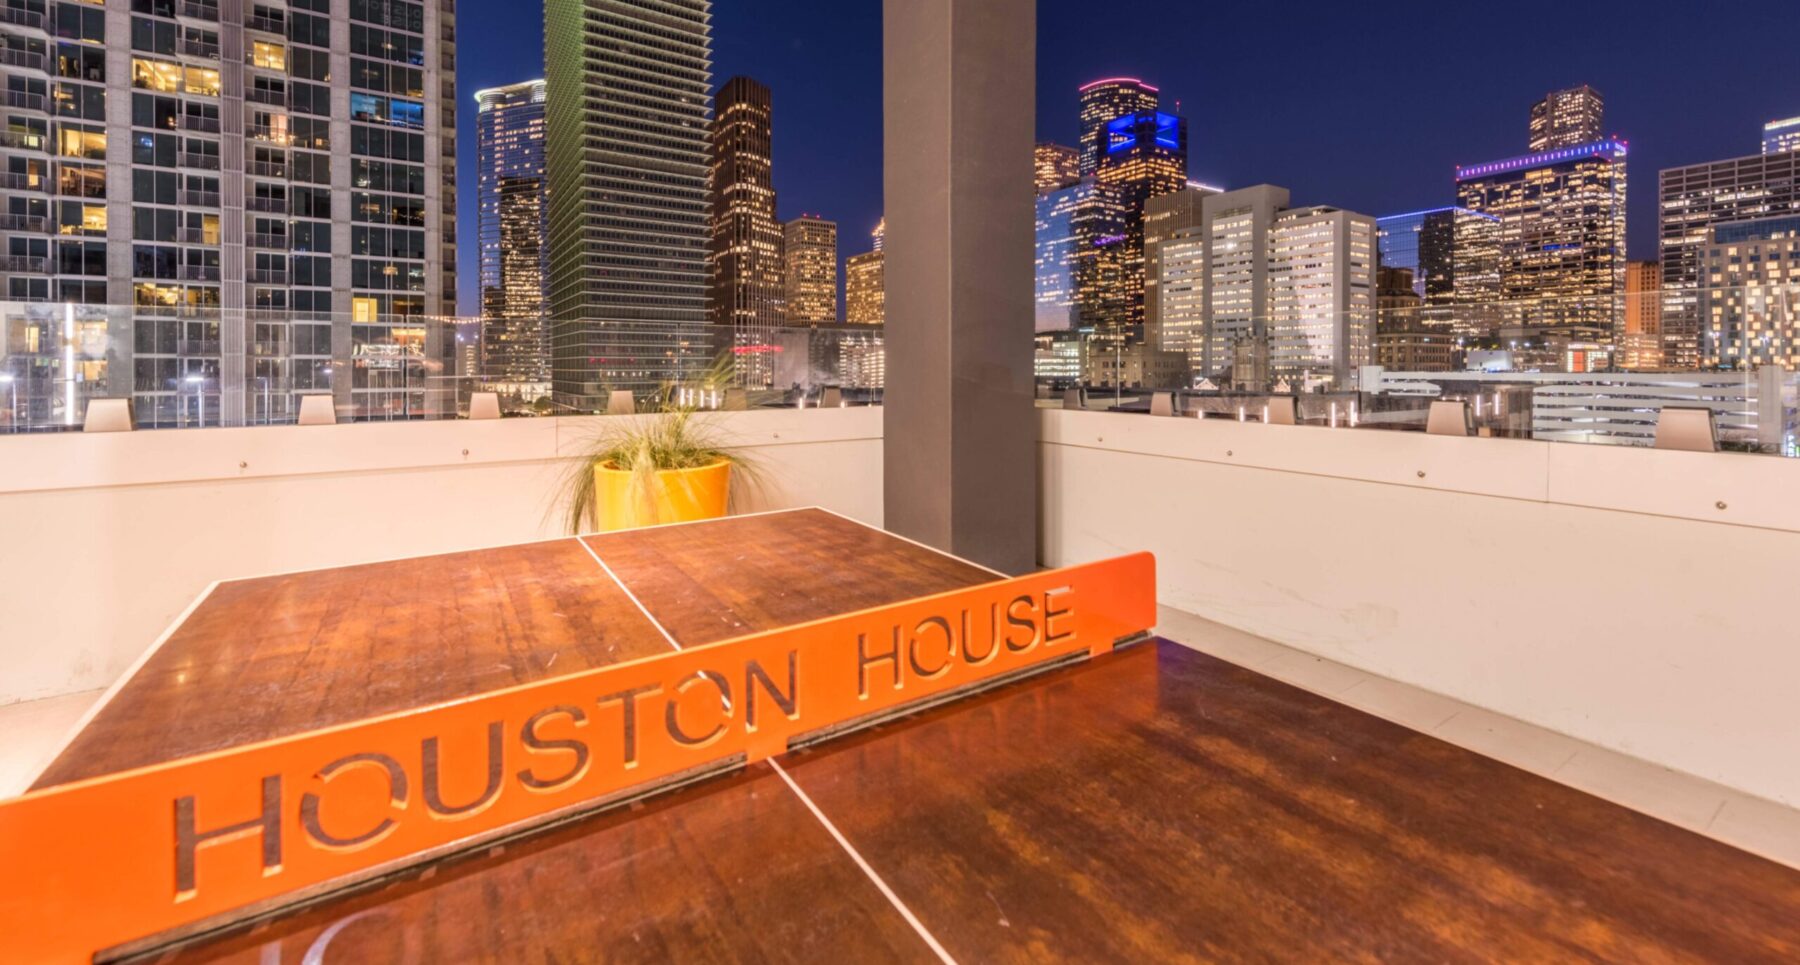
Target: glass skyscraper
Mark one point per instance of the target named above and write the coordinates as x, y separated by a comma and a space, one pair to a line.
1146, 156
1432, 245
1783, 135
1080, 230
1560, 239
1101, 102
267, 194
748, 288
510, 185
628, 145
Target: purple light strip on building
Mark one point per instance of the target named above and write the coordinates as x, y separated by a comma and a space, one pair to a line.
1605, 149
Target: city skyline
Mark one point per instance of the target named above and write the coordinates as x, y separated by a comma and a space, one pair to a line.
1294, 128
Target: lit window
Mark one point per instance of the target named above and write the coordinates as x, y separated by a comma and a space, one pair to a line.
267, 55
156, 75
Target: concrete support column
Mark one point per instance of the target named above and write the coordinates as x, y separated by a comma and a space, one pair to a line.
959, 80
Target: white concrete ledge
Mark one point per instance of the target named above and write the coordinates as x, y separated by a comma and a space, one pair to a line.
1596, 591
1758, 490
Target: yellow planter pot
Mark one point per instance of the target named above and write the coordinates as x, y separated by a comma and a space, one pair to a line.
675, 496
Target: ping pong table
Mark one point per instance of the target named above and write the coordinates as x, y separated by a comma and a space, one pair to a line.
1148, 803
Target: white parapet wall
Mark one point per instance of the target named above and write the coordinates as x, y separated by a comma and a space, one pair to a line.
1637, 599
105, 539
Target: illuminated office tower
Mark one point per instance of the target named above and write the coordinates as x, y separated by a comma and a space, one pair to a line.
627, 155
748, 286
1079, 280
1058, 166
1234, 336
1560, 239
1693, 200
1566, 118
1640, 338
1181, 291
1102, 102
1164, 215
811, 252
865, 292
254, 213
1146, 156
880, 233
1783, 135
1749, 299
1321, 295
510, 188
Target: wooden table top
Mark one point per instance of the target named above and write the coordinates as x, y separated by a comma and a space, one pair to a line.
280, 655
1155, 804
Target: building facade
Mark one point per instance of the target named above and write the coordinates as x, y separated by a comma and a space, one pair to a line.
1164, 215
749, 290
263, 224
1640, 338
1235, 329
1103, 101
1056, 166
1560, 239
1180, 281
1321, 295
627, 155
1566, 118
1694, 200
865, 289
810, 246
1782, 135
1145, 157
512, 191
1749, 298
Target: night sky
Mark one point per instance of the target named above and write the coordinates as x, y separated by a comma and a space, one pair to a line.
1368, 107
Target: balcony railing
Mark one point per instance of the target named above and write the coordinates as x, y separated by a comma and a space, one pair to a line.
263, 132
268, 276
23, 18
262, 95
200, 199
198, 272
201, 123
267, 169
197, 236
23, 100
17, 180
266, 24
270, 205
26, 59
199, 48
199, 11
37, 264
205, 162
277, 242
24, 222
24, 141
